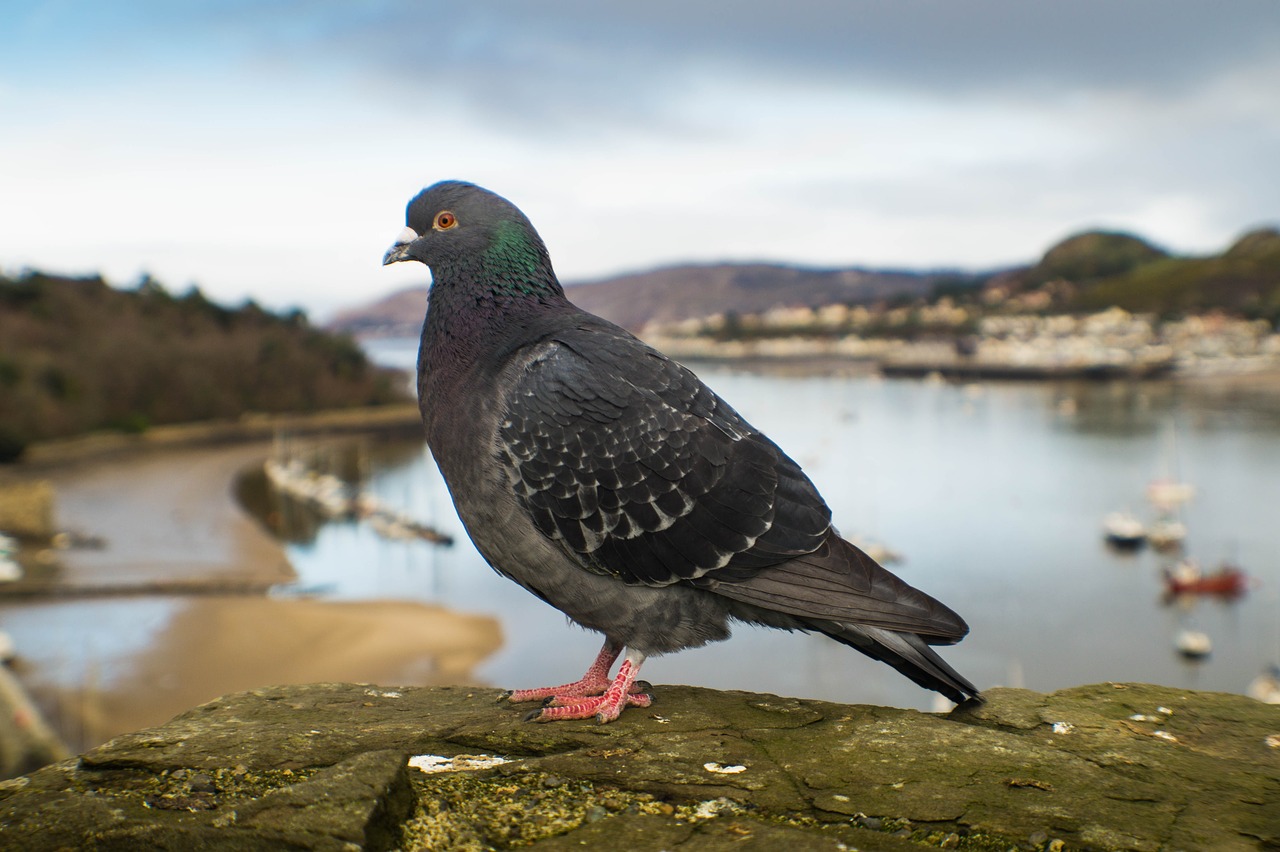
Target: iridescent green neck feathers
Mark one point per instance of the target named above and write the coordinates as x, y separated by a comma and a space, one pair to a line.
516, 265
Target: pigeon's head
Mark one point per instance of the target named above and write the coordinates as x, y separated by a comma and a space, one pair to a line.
459, 226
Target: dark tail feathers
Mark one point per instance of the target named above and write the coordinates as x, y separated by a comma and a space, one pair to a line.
906, 652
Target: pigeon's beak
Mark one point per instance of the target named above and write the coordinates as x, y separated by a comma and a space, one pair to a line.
400, 249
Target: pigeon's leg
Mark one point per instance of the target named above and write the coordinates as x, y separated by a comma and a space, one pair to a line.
594, 682
606, 707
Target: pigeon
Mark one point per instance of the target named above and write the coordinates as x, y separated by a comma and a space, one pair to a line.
608, 480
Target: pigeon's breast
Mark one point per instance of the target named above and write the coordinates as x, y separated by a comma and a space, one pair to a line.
463, 434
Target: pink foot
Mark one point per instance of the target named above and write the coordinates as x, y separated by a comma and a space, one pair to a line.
605, 708
594, 682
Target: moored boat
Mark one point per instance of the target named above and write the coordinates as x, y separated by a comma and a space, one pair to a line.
1167, 534
1186, 578
1123, 530
1193, 644
1266, 686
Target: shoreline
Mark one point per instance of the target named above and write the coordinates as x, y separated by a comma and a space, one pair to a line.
52, 455
209, 646
215, 646
27, 499
1265, 378
175, 540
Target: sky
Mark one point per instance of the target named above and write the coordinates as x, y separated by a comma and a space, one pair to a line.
266, 150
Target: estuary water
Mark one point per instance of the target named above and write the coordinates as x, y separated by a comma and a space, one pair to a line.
993, 494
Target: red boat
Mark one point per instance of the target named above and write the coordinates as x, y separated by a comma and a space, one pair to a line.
1188, 579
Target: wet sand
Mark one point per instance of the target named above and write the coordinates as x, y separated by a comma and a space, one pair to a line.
165, 515
170, 515
215, 646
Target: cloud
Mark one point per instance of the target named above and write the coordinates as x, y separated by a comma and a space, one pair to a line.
565, 59
268, 149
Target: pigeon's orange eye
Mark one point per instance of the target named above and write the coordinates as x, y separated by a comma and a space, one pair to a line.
445, 220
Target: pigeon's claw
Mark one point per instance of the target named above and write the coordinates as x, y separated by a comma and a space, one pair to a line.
637, 691
577, 689
621, 693
594, 682
603, 708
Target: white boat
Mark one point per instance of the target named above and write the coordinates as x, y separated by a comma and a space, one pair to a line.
1266, 686
1167, 534
1124, 530
1193, 644
1168, 494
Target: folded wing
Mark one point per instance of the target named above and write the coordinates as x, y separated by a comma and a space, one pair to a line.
641, 472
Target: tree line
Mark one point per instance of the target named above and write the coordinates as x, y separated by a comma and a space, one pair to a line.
78, 355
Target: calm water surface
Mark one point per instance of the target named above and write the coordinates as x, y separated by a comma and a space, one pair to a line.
993, 493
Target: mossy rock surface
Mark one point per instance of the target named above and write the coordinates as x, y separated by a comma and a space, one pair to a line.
326, 766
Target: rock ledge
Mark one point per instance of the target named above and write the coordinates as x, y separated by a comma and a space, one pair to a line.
327, 766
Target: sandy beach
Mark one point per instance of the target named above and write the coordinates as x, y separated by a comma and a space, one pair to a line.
170, 515
219, 645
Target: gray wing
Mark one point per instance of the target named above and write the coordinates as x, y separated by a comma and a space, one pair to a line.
643, 473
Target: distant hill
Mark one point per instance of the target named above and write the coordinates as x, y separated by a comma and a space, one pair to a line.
397, 315
77, 355
1087, 271
674, 293
1096, 254
680, 292
1098, 269
1243, 280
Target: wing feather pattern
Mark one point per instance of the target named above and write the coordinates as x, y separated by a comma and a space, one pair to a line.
641, 472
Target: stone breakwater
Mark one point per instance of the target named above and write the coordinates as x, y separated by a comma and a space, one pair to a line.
347, 766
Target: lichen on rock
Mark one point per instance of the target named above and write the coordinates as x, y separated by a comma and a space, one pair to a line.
322, 767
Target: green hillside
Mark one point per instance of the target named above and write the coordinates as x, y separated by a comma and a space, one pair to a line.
1098, 269
1243, 280
77, 355
1094, 255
